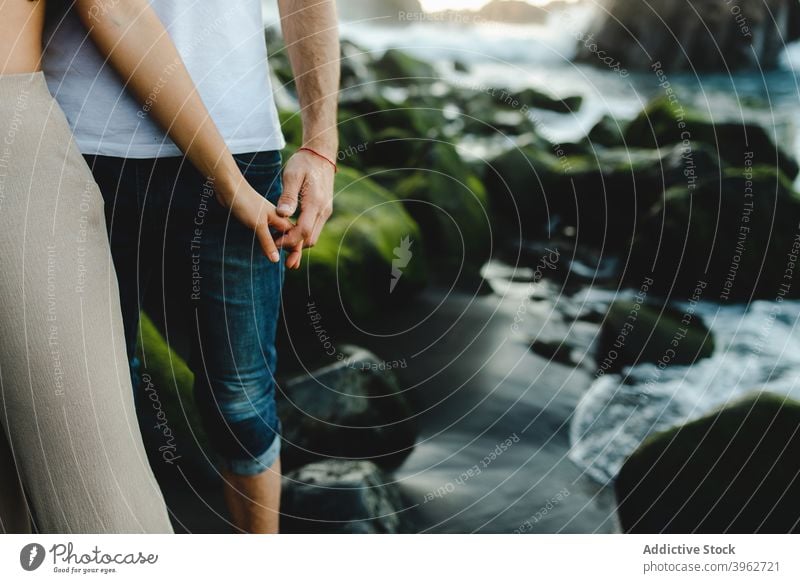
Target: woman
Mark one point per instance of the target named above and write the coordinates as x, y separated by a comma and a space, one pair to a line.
71, 456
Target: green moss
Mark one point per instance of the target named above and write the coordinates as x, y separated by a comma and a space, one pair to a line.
172, 379
716, 233
349, 270
733, 471
451, 206
635, 333
663, 122
400, 67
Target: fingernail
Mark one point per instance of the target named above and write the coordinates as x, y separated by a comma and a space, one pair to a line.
284, 208
275, 256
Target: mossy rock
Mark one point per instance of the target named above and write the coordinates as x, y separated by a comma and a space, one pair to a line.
732, 471
663, 123
634, 333
608, 132
348, 273
739, 244
169, 419
400, 68
540, 100
602, 194
451, 206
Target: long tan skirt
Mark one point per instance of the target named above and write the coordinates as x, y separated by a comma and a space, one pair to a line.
71, 455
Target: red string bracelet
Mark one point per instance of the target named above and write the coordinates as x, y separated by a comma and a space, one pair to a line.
318, 155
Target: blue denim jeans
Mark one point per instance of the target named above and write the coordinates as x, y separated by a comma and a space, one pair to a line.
166, 226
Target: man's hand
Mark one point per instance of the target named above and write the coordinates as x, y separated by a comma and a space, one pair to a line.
310, 31
307, 182
256, 213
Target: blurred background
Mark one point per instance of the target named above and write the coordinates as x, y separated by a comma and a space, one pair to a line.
558, 292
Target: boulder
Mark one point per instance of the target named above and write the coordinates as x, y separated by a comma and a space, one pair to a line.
336, 496
601, 195
734, 471
663, 123
635, 333
353, 408
706, 35
513, 11
168, 416
738, 236
608, 132
537, 99
450, 204
400, 68
354, 271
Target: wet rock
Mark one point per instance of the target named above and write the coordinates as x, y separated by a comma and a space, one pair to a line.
733, 471
555, 351
608, 132
514, 11
336, 496
358, 266
663, 123
541, 100
709, 35
353, 408
450, 204
729, 239
602, 195
399, 67
635, 333
168, 416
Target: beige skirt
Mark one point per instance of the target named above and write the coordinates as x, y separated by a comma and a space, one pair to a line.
71, 454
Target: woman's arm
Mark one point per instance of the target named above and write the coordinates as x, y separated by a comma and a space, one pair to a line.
131, 36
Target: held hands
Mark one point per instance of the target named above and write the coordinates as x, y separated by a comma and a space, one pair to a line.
256, 213
308, 181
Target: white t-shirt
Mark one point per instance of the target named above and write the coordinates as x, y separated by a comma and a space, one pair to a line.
222, 44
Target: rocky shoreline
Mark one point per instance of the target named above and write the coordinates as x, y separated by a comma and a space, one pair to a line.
663, 200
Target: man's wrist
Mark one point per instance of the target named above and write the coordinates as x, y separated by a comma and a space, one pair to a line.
327, 146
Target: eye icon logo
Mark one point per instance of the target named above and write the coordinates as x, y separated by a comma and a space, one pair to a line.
31, 556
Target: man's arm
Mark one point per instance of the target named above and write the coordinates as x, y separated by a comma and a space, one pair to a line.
131, 36
310, 31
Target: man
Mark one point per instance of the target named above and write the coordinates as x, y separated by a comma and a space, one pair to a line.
166, 226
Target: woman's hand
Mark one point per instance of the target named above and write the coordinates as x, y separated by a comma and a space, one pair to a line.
256, 213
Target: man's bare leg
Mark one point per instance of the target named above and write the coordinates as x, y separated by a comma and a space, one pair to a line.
254, 501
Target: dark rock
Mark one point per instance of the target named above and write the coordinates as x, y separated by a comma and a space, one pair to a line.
540, 100
400, 68
706, 35
351, 409
514, 11
554, 350
608, 132
460, 66
349, 273
635, 333
737, 236
664, 123
336, 496
602, 194
733, 471
451, 206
